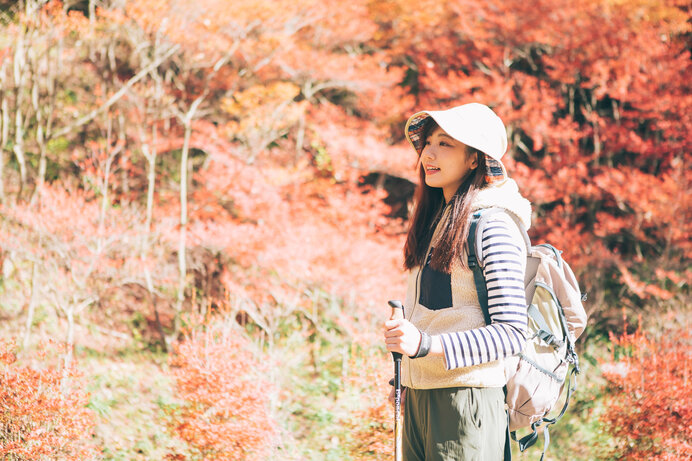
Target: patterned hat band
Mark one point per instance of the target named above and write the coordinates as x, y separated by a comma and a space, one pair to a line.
474, 125
494, 170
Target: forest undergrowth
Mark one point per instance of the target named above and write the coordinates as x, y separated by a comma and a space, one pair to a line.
326, 388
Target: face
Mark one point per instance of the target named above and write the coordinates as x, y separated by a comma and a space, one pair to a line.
446, 162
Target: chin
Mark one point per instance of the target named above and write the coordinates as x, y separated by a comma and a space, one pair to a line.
434, 184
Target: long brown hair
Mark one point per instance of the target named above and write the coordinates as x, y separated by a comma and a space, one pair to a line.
429, 209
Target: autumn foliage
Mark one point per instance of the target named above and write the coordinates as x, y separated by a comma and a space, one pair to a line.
597, 123
649, 409
164, 158
301, 105
225, 414
43, 411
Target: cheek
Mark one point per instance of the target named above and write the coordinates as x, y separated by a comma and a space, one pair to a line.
459, 172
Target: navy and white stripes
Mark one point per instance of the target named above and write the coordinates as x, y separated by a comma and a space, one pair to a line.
505, 263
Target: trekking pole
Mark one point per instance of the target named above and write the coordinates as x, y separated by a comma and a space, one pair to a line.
397, 313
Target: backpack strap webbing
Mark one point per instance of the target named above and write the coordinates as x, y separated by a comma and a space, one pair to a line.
475, 252
544, 331
530, 439
474, 264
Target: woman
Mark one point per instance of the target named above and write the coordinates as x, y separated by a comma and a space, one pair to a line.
453, 362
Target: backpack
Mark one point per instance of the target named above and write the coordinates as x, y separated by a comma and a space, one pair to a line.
537, 375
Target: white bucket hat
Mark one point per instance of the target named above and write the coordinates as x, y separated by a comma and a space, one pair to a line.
473, 124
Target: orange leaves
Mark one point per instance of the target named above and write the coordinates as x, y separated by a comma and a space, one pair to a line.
226, 409
673, 277
65, 216
356, 146
65, 219
150, 15
52, 17
304, 228
8, 353
43, 412
259, 95
642, 289
668, 12
374, 440
326, 236
330, 24
644, 210
650, 414
262, 113
210, 28
646, 201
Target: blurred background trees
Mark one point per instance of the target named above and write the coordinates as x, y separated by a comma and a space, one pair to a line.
166, 165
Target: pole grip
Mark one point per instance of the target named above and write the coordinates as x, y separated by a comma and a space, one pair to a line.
397, 314
397, 309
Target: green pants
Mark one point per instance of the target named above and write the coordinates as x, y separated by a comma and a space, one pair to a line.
455, 424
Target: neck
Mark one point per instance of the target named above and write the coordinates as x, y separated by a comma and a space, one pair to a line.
448, 194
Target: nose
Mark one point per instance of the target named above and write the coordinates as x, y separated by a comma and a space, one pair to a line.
428, 152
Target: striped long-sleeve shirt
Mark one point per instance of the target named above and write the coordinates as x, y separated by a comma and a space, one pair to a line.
504, 257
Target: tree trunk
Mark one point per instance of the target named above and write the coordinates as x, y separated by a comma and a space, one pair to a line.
300, 139
151, 185
150, 155
5, 122
40, 136
32, 305
157, 318
18, 148
124, 181
51, 77
104, 187
182, 245
69, 312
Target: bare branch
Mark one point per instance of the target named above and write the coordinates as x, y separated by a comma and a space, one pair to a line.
113, 99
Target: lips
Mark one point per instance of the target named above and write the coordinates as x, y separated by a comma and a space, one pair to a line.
431, 170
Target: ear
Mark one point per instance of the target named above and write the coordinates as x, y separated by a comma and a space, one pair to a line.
474, 159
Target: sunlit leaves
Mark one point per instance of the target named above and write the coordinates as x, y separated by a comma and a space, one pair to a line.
43, 411
649, 412
225, 414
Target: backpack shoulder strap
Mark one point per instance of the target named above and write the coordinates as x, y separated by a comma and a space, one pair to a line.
474, 264
475, 251
483, 216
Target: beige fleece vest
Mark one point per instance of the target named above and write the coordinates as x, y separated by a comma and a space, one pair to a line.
465, 314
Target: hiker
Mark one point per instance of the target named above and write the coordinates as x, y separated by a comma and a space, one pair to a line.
452, 369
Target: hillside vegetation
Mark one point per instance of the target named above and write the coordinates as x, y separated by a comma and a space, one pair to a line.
203, 206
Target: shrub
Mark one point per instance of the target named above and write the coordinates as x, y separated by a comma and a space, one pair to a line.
43, 412
225, 412
372, 424
649, 411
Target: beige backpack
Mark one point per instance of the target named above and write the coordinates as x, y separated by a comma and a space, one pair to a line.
537, 375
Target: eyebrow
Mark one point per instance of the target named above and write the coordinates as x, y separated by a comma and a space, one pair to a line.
446, 136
